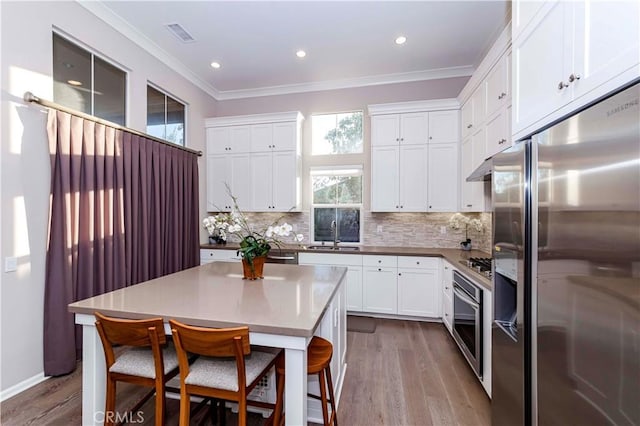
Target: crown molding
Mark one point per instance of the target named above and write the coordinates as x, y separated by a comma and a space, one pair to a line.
237, 120
376, 80
100, 10
497, 50
414, 106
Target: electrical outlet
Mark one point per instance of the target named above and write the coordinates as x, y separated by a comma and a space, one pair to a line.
379, 229
443, 230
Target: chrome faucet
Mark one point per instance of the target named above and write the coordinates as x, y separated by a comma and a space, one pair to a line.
334, 230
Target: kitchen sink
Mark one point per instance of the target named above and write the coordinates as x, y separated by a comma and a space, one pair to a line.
332, 248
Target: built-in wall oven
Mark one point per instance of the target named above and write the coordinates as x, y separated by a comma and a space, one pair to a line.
467, 320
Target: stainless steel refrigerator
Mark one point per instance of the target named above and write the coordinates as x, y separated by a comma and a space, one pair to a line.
566, 330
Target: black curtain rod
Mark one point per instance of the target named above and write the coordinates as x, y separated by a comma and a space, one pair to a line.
30, 97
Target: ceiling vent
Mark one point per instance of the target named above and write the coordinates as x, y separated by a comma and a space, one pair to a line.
182, 34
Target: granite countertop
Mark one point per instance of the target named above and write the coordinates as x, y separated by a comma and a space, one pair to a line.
453, 256
290, 300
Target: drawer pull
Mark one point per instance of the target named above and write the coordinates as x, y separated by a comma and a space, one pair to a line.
379, 269
501, 141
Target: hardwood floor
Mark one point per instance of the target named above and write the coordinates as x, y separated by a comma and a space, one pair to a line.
406, 373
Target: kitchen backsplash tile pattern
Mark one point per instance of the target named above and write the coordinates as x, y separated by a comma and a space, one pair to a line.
396, 229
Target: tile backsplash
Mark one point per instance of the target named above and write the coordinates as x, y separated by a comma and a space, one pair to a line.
396, 229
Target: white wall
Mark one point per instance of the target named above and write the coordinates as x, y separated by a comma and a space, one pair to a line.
26, 65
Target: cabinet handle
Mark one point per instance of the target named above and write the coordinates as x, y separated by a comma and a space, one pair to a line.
430, 137
273, 146
446, 314
469, 205
379, 269
502, 95
397, 207
562, 85
399, 273
379, 261
469, 126
446, 288
501, 141
402, 207
397, 139
574, 77
430, 206
418, 262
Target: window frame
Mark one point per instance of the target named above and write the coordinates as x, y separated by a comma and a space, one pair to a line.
168, 95
359, 206
336, 113
57, 32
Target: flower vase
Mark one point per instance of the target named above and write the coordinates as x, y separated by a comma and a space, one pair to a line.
255, 270
466, 245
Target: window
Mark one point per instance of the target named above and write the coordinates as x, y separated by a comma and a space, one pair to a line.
87, 83
165, 116
336, 196
336, 133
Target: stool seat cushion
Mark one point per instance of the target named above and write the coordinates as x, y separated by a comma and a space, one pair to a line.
139, 361
222, 373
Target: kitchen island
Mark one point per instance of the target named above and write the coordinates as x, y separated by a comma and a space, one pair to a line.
283, 310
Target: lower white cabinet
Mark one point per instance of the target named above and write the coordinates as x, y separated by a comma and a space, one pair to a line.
380, 290
218, 255
354, 289
419, 286
447, 294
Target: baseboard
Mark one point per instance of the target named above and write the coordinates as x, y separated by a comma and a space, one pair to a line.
22, 386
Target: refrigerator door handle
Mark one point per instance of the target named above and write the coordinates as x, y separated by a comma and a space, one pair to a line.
465, 298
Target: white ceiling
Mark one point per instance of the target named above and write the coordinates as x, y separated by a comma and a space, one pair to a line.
347, 43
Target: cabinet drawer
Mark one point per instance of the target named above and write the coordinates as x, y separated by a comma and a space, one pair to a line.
418, 262
329, 259
380, 261
208, 255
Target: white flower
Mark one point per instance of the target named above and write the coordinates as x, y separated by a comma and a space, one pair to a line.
299, 238
269, 232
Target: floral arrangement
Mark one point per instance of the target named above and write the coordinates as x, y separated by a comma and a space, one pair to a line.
253, 243
458, 220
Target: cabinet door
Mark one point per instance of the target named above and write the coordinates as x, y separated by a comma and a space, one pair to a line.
419, 292
240, 138
497, 137
479, 99
261, 172
285, 183
385, 129
261, 137
472, 193
285, 136
478, 142
467, 117
607, 42
539, 68
414, 128
443, 177
443, 126
354, 289
218, 140
380, 290
240, 180
385, 179
496, 87
413, 178
218, 173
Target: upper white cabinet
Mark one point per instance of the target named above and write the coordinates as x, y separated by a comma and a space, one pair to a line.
570, 54
414, 156
258, 156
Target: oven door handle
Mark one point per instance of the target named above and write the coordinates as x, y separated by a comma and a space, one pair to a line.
282, 257
466, 298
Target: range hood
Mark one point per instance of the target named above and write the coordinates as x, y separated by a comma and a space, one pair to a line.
483, 172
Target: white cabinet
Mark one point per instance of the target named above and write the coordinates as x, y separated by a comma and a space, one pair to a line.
218, 255
442, 177
499, 85
498, 135
474, 110
419, 287
380, 284
569, 55
447, 294
471, 193
258, 156
274, 181
223, 170
353, 262
399, 178
401, 163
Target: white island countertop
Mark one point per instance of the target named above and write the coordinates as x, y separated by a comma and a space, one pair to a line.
290, 300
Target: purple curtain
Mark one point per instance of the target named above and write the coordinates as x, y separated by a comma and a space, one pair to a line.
123, 209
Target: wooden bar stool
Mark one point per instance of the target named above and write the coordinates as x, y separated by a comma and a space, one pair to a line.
319, 354
149, 361
228, 368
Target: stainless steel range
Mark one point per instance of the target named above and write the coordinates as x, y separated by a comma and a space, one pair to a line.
481, 265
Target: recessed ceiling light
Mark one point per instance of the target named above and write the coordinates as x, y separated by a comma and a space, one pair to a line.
74, 82
215, 65
401, 40
301, 53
